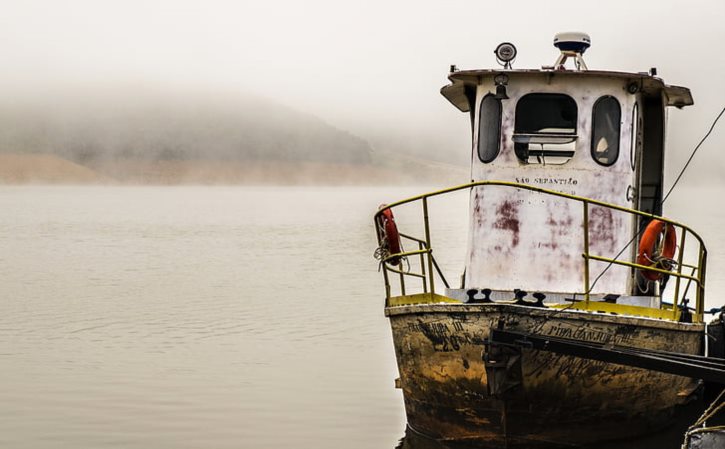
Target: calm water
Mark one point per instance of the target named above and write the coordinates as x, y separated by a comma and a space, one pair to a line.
224, 317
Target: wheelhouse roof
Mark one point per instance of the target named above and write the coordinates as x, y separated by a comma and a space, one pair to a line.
651, 86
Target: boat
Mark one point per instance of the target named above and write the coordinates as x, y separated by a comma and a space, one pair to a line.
706, 434
565, 241
708, 431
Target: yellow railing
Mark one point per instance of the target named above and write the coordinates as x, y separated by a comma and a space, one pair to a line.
428, 263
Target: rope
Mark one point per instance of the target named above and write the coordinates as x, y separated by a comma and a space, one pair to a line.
711, 411
382, 252
712, 127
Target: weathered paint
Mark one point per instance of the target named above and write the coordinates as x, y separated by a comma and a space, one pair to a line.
533, 242
677, 96
562, 399
419, 298
706, 439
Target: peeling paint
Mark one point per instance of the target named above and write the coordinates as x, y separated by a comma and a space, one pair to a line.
507, 218
445, 385
534, 242
477, 210
602, 229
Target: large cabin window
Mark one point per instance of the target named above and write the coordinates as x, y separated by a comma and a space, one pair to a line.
489, 129
545, 128
606, 118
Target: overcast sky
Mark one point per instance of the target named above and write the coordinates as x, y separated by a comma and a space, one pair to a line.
358, 65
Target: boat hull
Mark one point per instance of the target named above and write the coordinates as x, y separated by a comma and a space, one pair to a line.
549, 399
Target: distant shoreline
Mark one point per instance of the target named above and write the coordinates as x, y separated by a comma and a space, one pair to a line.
21, 169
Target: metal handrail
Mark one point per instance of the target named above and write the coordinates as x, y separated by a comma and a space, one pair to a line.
426, 252
422, 252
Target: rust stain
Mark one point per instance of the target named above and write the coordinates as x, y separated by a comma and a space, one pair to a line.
601, 228
506, 155
508, 219
477, 213
562, 226
559, 226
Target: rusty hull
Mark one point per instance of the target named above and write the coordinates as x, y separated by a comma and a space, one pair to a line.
561, 400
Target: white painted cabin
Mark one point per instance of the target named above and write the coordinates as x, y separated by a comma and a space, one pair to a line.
594, 134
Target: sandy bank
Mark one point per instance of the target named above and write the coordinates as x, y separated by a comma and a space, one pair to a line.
45, 169
49, 169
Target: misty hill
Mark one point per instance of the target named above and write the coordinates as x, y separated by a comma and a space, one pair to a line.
91, 128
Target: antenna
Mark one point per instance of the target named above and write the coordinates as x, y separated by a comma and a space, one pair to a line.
572, 45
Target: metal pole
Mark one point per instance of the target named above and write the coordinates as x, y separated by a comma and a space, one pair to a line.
402, 278
427, 242
422, 268
387, 284
679, 271
586, 252
700, 306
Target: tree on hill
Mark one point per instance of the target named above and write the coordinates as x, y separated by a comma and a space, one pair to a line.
172, 127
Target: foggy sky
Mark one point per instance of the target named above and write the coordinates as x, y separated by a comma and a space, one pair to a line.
372, 67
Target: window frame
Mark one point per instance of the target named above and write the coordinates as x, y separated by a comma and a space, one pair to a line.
499, 118
619, 129
524, 137
634, 138
548, 94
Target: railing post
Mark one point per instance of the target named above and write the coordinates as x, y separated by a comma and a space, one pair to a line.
387, 284
402, 278
679, 271
427, 242
586, 251
700, 306
422, 268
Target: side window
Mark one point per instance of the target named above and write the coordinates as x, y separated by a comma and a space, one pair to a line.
606, 118
489, 129
545, 128
635, 137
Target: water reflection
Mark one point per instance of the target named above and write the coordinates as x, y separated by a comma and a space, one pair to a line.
669, 439
670, 436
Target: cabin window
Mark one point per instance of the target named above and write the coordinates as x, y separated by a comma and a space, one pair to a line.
545, 128
606, 118
489, 129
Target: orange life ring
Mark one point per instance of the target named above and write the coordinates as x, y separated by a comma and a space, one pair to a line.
648, 252
388, 234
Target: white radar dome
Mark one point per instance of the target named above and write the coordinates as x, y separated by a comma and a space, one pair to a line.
572, 41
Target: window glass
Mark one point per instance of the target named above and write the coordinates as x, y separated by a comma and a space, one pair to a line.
545, 128
546, 113
489, 129
606, 117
